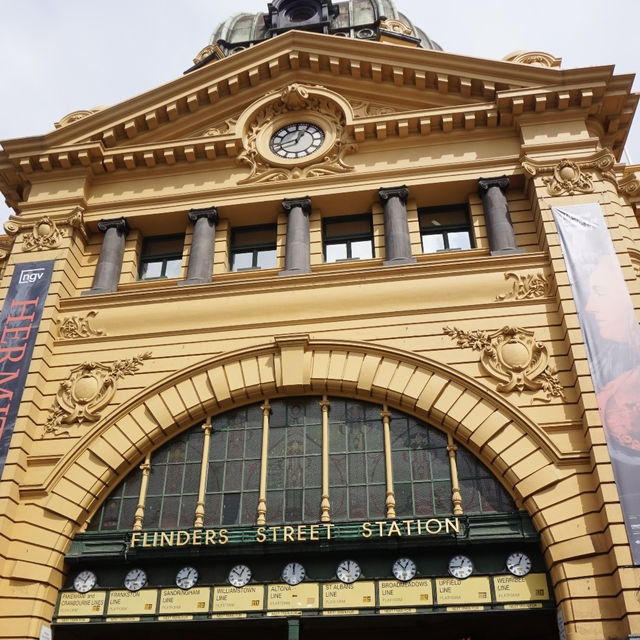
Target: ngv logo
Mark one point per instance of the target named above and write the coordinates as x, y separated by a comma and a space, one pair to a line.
30, 275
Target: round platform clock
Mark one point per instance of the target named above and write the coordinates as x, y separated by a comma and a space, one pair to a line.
187, 577
293, 573
240, 575
348, 571
296, 140
135, 580
519, 564
85, 581
404, 569
460, 567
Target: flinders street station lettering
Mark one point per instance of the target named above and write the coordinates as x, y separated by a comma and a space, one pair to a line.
297, 533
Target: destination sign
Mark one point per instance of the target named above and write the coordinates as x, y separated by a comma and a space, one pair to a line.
74, 604
338, 595
513, 589
132, 603
410, 528
305, 595
227, 599
417, 593
178, 601
474, 590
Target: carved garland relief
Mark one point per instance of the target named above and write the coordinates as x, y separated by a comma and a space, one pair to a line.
89, 389
526, 286
513, 357
77, 327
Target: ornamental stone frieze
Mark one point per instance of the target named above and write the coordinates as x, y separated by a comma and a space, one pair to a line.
526, 286
570, 177
513, 357
89, 389
45, 233
295, 103
74, 116
534, 58
364, 109
73, 327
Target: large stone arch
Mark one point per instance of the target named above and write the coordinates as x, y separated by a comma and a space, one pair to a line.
517, 451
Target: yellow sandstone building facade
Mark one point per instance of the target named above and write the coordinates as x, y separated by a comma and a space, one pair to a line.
309, 361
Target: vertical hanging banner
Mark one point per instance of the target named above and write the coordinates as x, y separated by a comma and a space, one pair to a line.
19, 322
612, 339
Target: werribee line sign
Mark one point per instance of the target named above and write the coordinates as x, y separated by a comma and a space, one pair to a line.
308, 533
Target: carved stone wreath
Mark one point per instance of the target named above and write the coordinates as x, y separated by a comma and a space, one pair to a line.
513, 357
296, 98
569, 177
44, 235
89, 389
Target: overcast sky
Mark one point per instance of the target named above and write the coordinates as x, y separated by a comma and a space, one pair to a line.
59, 56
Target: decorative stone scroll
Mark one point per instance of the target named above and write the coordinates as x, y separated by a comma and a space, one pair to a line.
534, 58
89, 389
313, 103
513, 357
569, 177
364, 109
74, 116
526, 286
221, 128
77, 327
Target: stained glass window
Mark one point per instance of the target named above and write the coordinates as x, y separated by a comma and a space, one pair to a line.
355, 449
356, 461
233, 474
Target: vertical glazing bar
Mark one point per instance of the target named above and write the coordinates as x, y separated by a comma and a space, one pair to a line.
456, 498
199, 521
145, 467
325, 505
262, 499
390, 501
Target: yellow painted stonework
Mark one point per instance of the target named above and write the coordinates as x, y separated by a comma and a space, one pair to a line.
359, 329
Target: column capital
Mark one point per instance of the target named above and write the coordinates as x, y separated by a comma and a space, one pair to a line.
210, 213
484, 184
119, 224
303, 203
384, 193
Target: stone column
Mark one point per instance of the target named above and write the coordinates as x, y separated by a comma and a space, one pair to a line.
200, 267
396, 226
109, 264
502, 240
298, 250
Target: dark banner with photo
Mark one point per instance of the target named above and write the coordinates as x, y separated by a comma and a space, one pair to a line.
19, 322
612, 338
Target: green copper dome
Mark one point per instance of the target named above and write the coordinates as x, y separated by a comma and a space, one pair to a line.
359, 19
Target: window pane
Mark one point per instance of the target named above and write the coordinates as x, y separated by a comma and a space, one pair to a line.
254, 236
162, 246
151, 270
266, 259
242, 261
443, 217
335, 252
345, 228
459, 240
172, 270
432, 242
362, 249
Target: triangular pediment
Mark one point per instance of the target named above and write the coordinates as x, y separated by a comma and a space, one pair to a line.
389, 89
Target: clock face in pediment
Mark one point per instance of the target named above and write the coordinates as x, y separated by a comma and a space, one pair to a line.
297, 140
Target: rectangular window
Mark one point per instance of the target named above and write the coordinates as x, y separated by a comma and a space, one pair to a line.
348, 238
445, 228
253, 248
161, 257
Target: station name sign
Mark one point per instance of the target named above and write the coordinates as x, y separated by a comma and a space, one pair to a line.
297, 533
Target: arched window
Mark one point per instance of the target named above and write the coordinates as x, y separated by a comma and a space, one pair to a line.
302, 459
